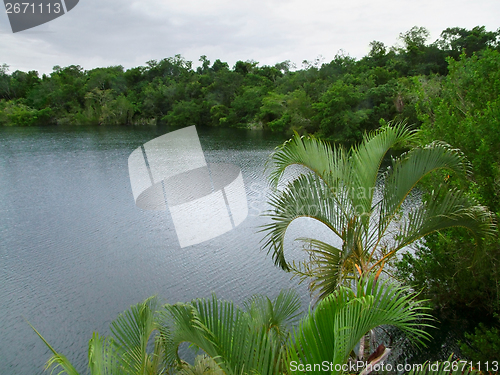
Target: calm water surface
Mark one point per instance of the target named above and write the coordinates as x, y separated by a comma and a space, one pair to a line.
75, 251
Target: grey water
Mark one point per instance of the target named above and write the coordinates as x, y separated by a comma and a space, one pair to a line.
75, 251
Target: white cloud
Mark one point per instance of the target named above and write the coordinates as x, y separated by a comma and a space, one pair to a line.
130, 32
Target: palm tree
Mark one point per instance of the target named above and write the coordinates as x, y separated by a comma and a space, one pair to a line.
361, 203
329, 334
255, 339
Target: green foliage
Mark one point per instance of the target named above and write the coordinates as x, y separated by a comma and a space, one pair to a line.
16, 113
203, 365
102, 108
483, 345
126, 352
361, 204
458, 40
184, 113
219, 114
255, 339
249, 340
451, 278
245, 106
461, 280
287, 112
332, 330
337, 100
466, 113
339, 111
415, 38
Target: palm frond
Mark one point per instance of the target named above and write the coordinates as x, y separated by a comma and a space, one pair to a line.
105, 357
203, 365
445, 208
328, 266
133, 330
227, 334
309, 152
331, 331
307, 196
126, 354
57, 360
275, 316
411, 168
185, 326
366, 159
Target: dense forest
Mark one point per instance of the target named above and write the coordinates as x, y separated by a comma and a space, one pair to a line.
338, 100
449, 89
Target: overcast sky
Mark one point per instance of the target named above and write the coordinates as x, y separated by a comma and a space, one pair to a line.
100, 33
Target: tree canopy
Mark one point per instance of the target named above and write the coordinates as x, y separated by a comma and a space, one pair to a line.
337, 100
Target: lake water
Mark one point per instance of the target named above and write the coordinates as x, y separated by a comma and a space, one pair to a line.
75, 251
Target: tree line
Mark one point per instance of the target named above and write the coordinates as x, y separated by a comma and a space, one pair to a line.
338, 100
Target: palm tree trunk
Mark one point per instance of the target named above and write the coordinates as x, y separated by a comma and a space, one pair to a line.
364, 346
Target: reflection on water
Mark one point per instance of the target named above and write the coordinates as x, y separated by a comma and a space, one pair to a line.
75, 251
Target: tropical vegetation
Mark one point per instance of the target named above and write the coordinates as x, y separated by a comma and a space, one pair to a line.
266, 336
361, 202
263, 337
449, 90
461, 280
338, 100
